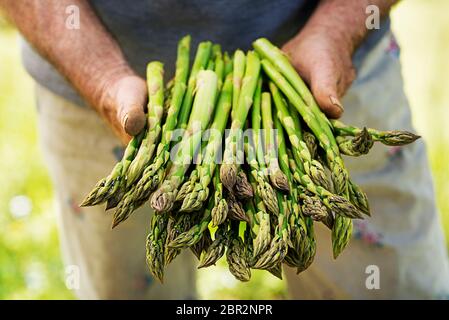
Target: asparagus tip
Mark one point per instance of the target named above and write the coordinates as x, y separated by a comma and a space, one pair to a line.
280, 181
228, 175
243, 187
115, 223
161, 201
235, 211
314, 208
85, 203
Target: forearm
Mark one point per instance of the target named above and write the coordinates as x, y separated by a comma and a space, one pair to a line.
344, 21
88, 57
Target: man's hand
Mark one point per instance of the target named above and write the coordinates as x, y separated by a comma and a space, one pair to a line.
322, 51
325, 64
122, 105
88, 57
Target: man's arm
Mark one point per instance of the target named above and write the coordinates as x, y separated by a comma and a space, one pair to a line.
322, 51
88, 57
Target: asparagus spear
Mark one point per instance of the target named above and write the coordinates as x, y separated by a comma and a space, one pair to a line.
154, 172
276, 271
327, 141
311, 143
187, 187
342, 226
243, 189
239, 62
260, 224
235, 208
128, 156
333, 202
195, 199
107, 187
248, 241
177, 226
219, 65
194, 234
211, 65
359, 198
126, 206
155, 246
217, 249
163, 198
279, 245
228, 64
201, 58
263, 188
155, 76
255, 158
300, 151
263, 237
168, 94
389, 138
277, 177
313, 207
202, 245
119, 191
220, 210
302, 250
130, 200
305, 245
341, 234
357, 146
279, 248
228, 170
236, 256
300, 239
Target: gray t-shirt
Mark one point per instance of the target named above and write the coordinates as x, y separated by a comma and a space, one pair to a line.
149, 30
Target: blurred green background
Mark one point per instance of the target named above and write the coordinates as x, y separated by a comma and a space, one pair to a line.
30, 263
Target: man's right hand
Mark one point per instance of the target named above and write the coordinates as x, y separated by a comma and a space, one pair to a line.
87, 56
122, 104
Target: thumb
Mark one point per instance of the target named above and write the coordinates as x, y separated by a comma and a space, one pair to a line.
324, 84
131, 98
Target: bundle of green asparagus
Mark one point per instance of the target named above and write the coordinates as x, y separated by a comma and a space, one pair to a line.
257, 200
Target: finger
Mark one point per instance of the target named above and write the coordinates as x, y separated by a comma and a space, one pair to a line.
325, 87
131, 99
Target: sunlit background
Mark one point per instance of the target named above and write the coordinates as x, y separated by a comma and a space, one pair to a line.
30, 263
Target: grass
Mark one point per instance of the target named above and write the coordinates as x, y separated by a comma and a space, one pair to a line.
30, 264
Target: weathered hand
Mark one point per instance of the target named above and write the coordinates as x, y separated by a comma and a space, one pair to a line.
324, 62
122, 105
89, 58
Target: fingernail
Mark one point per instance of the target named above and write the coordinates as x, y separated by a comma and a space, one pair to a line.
336, 103
133, 121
